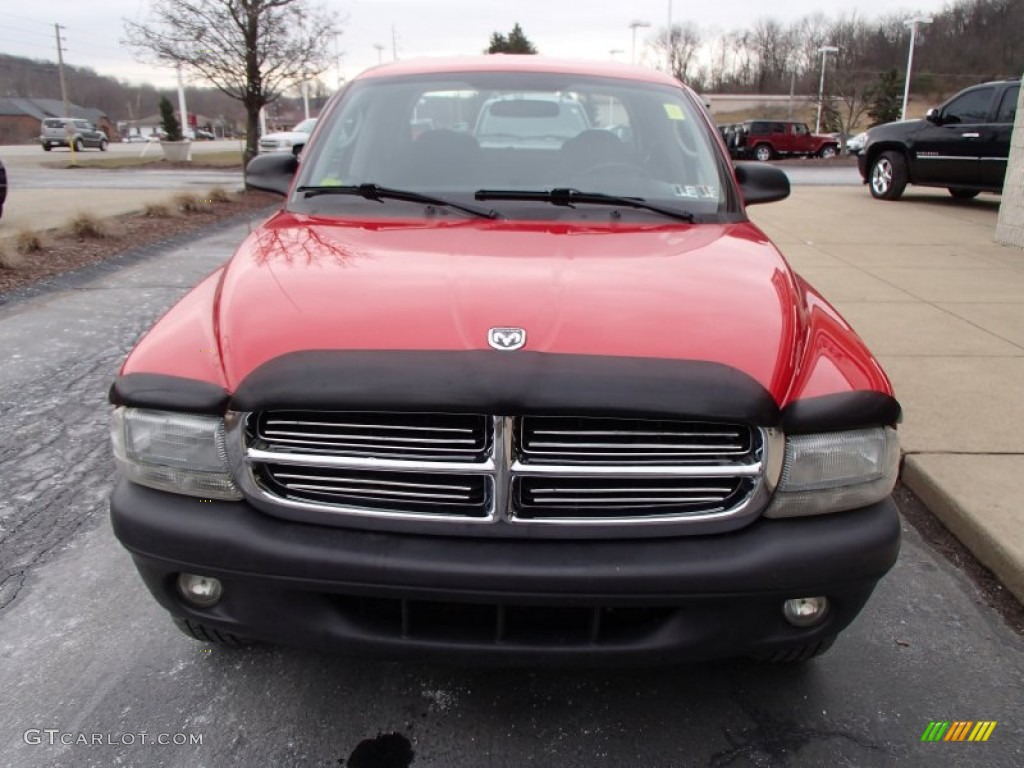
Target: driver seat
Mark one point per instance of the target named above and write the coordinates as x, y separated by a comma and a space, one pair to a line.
590, 149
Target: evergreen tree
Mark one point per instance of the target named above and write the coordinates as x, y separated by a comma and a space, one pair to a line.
168, 121
886, 99
516, 42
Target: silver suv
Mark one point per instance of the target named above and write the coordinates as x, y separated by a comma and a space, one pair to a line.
83, 134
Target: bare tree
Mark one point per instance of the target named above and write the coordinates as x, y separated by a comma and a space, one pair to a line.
681, 43
249, 49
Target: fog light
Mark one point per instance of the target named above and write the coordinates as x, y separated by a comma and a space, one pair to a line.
201, 591
805, 611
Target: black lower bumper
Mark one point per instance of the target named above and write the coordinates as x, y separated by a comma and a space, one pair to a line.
639, 600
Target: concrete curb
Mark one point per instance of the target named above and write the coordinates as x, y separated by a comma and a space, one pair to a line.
965, 521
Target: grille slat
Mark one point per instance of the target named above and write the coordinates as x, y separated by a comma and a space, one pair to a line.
413, 436
386, 492
541, 498
589, 440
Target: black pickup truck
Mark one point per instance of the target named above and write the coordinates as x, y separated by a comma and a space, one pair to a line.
962, 145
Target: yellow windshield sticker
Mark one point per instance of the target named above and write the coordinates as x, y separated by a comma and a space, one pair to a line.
674, 111
330, 181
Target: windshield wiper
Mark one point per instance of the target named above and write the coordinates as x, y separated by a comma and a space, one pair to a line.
380, 194
569, 197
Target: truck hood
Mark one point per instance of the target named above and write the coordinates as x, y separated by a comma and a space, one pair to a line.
719, 293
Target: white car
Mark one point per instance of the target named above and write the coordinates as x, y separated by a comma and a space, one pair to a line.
284, 141
856, 144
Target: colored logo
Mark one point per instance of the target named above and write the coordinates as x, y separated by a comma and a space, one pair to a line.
958, 730
506, 339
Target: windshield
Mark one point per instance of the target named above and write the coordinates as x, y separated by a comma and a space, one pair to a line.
457, 135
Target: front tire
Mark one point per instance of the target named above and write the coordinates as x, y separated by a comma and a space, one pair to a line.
888, 177
103, 145
828, 152
78, 145
963, 194
205, 634
797, 654
46, 147
763, 153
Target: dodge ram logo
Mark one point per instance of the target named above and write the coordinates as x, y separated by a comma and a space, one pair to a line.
506, 339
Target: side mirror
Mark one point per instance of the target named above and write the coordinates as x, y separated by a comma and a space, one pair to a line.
933, 116
272, 172
761, 183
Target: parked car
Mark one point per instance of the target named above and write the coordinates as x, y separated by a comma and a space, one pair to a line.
529, 121
963, 145
3, 187
560, 403
855, 144
55, 133
133, 138
288, 141
767, 139
202, 135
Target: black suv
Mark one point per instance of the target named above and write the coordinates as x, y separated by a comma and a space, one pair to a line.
962, 145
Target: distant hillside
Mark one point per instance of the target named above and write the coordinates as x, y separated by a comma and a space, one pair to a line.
34, 78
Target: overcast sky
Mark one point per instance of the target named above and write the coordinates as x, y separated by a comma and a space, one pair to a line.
421, 27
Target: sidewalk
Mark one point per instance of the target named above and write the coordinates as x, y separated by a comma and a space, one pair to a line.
942, 306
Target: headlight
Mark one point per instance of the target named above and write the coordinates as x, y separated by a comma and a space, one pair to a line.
836, 471
176, 452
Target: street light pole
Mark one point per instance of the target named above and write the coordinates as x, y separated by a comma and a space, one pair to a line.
634, 25
825, 50
912, 23
668, 41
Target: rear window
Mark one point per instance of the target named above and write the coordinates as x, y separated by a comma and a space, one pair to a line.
51, 123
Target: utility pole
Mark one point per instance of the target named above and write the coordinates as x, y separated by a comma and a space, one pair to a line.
394, 44
184, 111
64, 93
380, 52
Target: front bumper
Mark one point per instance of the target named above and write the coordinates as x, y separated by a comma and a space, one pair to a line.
507, 601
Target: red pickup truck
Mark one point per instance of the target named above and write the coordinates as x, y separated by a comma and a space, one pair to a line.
474, 394
767, 139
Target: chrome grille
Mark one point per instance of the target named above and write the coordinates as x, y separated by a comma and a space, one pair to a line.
421, 436
574, 440
554, 474
438, 494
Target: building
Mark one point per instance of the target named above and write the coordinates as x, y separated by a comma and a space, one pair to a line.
21, 118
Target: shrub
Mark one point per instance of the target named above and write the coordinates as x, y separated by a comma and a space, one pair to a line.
85, 225
156, 211
168, 122
187, 203
219, 195
27, 241
10, 261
